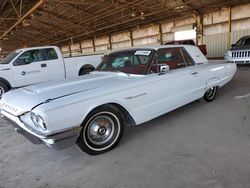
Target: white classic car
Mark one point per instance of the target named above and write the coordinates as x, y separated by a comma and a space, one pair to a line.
129, 87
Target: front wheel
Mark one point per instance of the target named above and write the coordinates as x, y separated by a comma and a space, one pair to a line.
210, 94
101, 132
3, 89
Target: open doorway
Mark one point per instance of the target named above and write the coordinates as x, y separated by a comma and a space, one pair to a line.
184, 35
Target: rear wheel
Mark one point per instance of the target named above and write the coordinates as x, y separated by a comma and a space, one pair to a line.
210, 94
86, 70
3, 89
101, 132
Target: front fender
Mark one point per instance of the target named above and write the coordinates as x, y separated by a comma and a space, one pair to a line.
70, 114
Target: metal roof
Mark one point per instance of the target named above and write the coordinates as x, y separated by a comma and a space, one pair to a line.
53, 22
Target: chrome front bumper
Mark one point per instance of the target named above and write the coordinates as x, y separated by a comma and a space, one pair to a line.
58, 140
241, 61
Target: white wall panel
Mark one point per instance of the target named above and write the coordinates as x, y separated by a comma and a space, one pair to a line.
87, 46
87, 50
243, 24
119, 37
75, 49
65, 51
148, 31
216, 44
185, 21
215, 29
121, 45
241, 11
167, 37
167, 27
146, 41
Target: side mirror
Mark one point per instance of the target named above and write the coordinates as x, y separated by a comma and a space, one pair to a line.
164, 68
233, 45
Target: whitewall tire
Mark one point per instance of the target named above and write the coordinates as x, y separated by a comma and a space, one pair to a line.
101, 132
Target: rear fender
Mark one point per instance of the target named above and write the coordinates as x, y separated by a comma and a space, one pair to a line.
212, 83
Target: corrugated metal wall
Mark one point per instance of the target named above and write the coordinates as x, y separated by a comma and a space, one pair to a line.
216, 44
216, 29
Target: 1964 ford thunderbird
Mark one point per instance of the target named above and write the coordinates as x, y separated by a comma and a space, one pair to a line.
129, 87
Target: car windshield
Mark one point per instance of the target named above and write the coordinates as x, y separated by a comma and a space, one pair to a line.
9, 58
245, 41
133, 61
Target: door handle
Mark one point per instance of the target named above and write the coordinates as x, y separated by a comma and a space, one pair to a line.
194, 73
43, 65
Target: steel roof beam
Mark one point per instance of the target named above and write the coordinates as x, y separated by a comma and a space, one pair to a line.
37, 5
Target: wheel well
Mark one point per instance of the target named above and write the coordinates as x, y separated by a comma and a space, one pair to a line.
125, 115
5, 82
86, 67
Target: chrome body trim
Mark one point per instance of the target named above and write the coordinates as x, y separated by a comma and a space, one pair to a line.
58, 140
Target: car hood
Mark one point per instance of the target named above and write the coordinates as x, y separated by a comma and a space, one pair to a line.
4, 67
20, 101
247, 47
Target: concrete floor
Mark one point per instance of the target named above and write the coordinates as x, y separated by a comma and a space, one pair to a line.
199, 145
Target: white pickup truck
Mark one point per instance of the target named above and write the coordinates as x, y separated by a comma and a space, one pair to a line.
39, 64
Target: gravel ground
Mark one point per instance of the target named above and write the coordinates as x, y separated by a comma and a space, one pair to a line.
199, 145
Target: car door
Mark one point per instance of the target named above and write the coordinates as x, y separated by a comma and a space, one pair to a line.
30, 67
55, 64
174, 88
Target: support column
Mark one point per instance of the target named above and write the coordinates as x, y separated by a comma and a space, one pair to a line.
201, 29
131, 38
80, 44
160, 34
93, 41
110, 43
70, 53
229, 27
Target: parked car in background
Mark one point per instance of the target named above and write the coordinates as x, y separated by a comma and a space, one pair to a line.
239, 52
129, 87
203, 48
39, 64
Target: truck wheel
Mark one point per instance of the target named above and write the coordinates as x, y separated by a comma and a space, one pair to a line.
3, 89
86, 70
210, 94
101, 132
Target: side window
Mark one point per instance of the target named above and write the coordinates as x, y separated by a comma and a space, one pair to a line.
35, 56
175, 58
172, 57
30, 57
23, 59
51, 53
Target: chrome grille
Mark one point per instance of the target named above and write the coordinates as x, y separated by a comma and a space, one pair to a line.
241, 54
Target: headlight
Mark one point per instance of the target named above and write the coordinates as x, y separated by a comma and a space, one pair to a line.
228, 54
38, 121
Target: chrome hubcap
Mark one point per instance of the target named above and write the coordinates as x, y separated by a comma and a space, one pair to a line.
211, 92
100, 130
